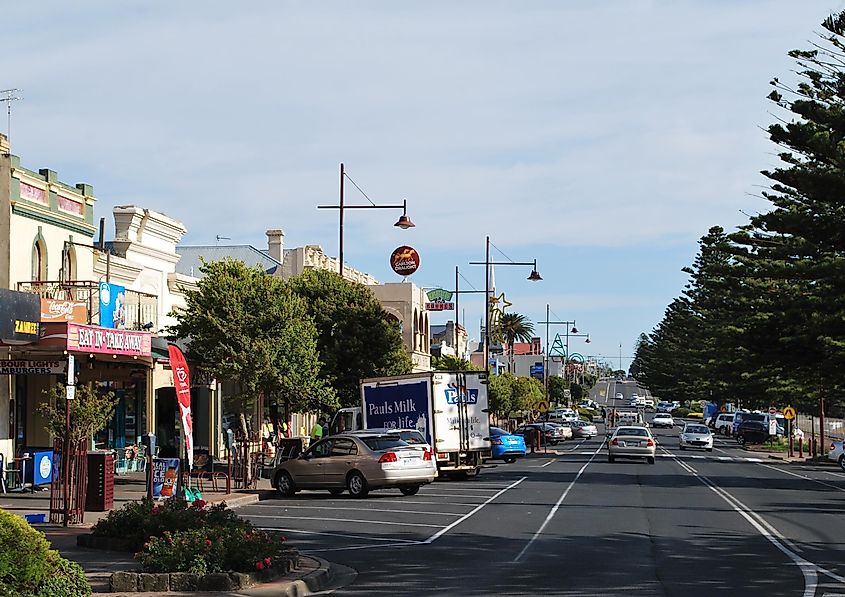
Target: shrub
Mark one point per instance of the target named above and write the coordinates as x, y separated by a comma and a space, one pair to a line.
29, 568
139, 521
201, 551
680, 412
587, 414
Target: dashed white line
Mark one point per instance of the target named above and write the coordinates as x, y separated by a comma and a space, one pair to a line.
326, 519
342, 535
557, 505
387, 511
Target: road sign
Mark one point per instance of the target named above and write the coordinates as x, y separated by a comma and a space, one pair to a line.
543, 407
723, 409
772, 410
789, 413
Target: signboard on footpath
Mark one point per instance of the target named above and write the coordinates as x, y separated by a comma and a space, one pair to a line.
165, 477
28, 367
83, 338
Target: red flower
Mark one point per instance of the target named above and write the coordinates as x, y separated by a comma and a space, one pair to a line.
208, 542
283, 539
268, 561
259, 565
199, 504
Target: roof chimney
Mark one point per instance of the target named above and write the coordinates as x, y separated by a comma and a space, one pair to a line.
276, 244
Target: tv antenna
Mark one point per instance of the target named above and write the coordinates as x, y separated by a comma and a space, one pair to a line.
9, 96
219, 238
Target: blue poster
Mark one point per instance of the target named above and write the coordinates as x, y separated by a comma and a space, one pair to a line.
112, 306
165, 477
403, 406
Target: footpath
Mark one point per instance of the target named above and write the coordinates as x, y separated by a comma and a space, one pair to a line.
313, 576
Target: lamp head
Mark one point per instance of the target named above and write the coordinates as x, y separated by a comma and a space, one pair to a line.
588, 339
404, 222
574, 330
535, 276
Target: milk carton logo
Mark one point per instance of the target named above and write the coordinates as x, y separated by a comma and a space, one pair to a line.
464, 397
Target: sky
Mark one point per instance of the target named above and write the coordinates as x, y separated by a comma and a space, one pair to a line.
602, 139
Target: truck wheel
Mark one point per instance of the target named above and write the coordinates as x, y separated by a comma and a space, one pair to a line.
458, 476
474, 472
410, 489
284, 484
357, 485
610, 458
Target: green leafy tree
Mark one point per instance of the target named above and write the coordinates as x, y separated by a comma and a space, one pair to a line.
557, 387
527, 393
500, 395
452, 363
514, 327
90, 411
249, 327
355, 338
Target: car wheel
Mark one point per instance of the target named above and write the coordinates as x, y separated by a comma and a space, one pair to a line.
709, 449
284, 484
740, 439
842, 462
682, 447
510, 460
410, 489
651, 459
335, 491
357, 485
610, 458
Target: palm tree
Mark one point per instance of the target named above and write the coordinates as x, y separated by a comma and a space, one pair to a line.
513, 327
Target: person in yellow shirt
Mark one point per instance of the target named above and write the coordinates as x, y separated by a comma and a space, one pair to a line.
317, 430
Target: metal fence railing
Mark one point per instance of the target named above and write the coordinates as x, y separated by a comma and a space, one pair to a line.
810, 425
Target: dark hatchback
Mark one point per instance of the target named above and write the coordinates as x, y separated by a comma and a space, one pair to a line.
752, 432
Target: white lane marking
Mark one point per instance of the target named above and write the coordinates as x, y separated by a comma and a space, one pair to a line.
775, 468
327, 519
459, 495
359, 547
342, 535
557, 505
808, 569
446, 529
464, 488
835, 475
547, 464
386, 511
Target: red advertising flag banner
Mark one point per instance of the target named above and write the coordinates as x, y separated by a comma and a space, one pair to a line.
182, 383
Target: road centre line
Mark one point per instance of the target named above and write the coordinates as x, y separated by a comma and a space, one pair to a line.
321, 508
557, 505
808, 569
325, 519
478, 508
342, 535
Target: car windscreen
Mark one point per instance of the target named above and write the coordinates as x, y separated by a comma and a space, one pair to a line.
697, 429
412, 437
379, 443
638, 431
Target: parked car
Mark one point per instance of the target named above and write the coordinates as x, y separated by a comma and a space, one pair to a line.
696, 435
620, 396
724, 423
358, 463
663, 420
588, 404
648, 402
665, 407
583, 429
413, 437
506, 446
565, 428
752, 432
550, 433
743, 415
631, 442
837, 453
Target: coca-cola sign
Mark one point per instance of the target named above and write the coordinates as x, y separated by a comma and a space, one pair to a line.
63, 311
405, 260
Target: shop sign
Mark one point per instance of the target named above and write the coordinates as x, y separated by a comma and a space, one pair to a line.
19, 317
27, 367
439, 300
405, 260
62, 311
112, 306
84, 338
165, 477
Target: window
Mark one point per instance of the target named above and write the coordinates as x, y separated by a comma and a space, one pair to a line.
343, 447
39, 261
378, 444
321, 449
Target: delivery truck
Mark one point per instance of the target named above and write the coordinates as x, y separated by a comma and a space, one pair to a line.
448, 407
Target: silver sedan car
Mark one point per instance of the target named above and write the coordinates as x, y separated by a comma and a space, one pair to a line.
696, 435
357, 463
629, 441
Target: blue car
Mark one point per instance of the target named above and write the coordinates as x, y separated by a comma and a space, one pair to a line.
506, 447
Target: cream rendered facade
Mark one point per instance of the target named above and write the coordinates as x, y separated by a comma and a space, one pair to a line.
39, 217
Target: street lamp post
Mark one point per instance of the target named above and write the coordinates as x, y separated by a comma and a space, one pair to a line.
574, 334
534, 276
403, 222
546, 360
458, 294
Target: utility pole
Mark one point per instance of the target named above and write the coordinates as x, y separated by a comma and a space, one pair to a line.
620, 356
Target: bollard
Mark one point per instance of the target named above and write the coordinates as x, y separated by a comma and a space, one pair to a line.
814, 448
801, 447
790, 452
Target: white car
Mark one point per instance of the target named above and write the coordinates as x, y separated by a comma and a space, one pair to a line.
620, 396
665, 407
696, 435
663, 420
649, 403
837, 453
724, 423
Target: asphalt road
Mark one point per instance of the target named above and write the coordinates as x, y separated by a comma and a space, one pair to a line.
726, 522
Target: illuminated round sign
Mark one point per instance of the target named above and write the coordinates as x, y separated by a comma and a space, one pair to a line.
405, 260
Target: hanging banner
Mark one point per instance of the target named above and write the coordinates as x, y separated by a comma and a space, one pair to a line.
112, 306
182, 383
